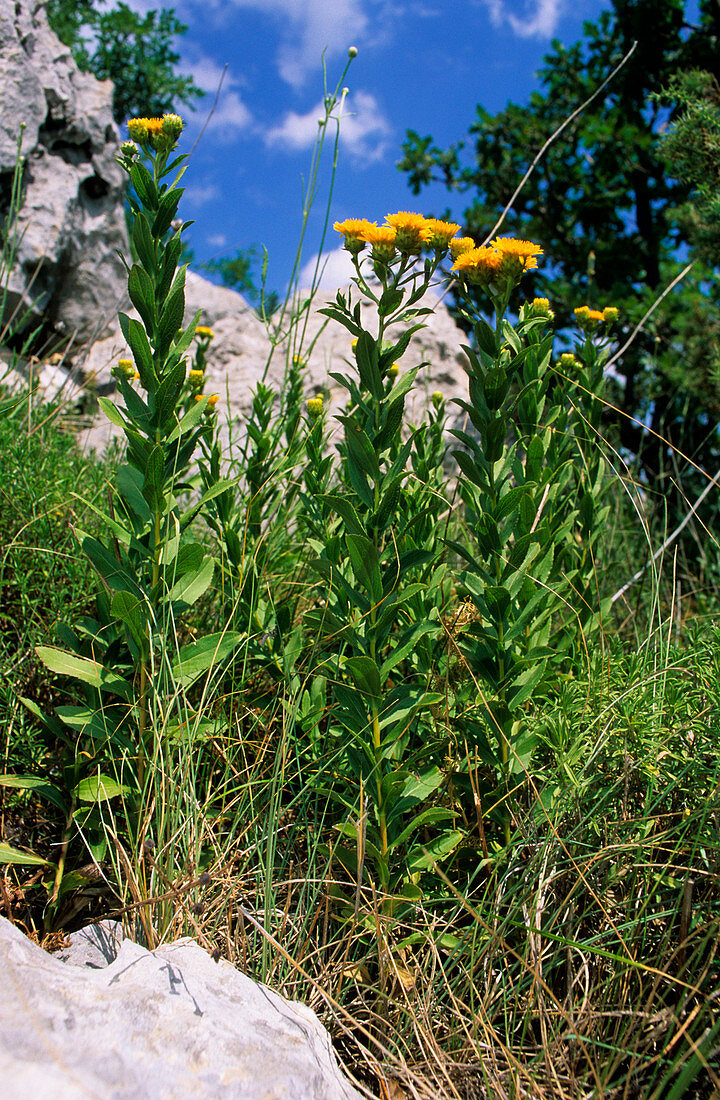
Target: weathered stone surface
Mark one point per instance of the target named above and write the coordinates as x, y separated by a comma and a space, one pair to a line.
240, 352
164, 1025
66, 270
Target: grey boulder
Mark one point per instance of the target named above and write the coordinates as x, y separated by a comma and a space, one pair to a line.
117, 1022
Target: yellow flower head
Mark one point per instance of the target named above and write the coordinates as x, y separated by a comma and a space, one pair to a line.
412, 231
478, 265
212, 401
299, 361
196, 378
173, 126
568, 361
393, 370
382, 240
458, 245
203, 332
610, 315
125, 369
441, 234
588, 319
540, 307
518, 256
353, 230
437, 398
148, 131
314, 406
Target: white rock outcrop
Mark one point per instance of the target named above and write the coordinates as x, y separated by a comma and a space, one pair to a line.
240, 353
117, 1022
66, 272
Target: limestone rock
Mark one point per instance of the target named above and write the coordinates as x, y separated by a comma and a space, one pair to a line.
123, 1023
66, 272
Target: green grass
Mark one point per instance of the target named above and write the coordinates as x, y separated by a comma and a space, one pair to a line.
581, 961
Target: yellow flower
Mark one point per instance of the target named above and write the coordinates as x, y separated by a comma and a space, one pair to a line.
458, 245
148, 131
610, 315
212, 400
441, 234
568, 361
437, 398
172, 125
314, 406
517, 252
412, 231
382, 239
125, 369
353, 230
478, 265
299, 361
588, 319
540, 307
196, 378
202, 331
393, 370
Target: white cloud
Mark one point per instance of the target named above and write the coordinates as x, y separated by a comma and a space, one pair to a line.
200, 194
540, 18
230, 114
308, 28
217, 240
363, 128
336, 268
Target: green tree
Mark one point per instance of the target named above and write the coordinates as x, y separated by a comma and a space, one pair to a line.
608, 212
134, 51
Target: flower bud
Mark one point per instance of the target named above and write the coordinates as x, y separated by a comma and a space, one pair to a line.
314, 406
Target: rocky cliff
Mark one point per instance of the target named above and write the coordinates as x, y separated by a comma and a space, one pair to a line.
67, 273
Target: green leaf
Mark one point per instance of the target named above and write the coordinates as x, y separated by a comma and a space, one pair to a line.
142, 294
111, 412
346, 510
143, 241
171, 319
84, 669
193, 585
129, 485
38, 786
365, 564
168, 392
360, 448
144, 185
98, 788
402, 650
136, 337
109, 568
199, 657
365, 674
130, 610
152, 488
421, 858
25, 859
366, 354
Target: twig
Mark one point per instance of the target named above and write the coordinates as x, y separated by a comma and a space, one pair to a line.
652, 309
553, 137
669, 540
211, 112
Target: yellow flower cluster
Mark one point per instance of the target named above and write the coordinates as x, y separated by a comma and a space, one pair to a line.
404, 232
212, 401
568, 361
156, 133
203, 332
589, 319
314, 406
504, 259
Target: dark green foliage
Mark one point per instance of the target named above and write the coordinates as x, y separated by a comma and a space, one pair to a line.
604, 206
134, 51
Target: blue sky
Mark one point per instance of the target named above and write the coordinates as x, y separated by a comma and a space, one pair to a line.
421, 64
